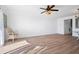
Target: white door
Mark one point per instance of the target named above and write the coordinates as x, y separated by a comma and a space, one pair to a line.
1, 29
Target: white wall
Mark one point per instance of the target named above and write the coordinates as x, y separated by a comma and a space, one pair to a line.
27, 21
60, 26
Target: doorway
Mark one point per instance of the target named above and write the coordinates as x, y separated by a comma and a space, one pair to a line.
68, 26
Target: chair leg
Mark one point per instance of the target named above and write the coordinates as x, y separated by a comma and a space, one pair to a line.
13, 40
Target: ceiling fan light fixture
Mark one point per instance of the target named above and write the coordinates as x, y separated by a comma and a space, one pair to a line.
77, 12
48, 12
49, 9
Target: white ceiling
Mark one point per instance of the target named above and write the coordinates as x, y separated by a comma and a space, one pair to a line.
64, 10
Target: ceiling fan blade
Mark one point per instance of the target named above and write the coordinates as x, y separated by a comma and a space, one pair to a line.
54, 10
43, 8
52, 6
43, 12
48, 6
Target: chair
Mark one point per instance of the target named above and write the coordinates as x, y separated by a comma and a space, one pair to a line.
10, 34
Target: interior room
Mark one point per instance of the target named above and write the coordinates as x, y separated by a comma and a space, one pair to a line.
39, 29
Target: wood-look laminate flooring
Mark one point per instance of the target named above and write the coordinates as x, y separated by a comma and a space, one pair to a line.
56, 43
52, 44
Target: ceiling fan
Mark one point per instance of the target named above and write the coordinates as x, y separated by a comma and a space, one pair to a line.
49, 9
